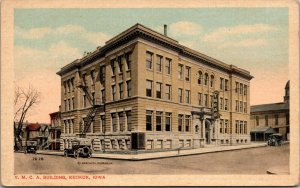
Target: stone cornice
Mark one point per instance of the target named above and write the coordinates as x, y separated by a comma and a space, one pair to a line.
140, 31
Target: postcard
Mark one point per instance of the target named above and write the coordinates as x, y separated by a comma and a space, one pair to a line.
160, 93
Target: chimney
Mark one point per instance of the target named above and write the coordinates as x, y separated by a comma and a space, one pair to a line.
165, 29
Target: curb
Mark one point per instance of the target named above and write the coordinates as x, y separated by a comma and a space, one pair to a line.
139, 157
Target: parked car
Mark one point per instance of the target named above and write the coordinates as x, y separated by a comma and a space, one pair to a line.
78, 148
31, 146
275, 140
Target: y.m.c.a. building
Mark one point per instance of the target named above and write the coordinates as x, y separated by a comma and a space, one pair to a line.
144, 91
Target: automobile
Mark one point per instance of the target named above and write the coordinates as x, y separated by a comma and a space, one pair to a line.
275, 140
31, 146
78, 148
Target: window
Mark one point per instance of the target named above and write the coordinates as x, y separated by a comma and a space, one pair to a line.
226, 85
187, 96
114, 122
236, 87
149, 88
73, 103
120, 63
187, 73
206, 79
241, 106
72, 83
128, 117
112, 65
221, 125
93, 98
92, 77
221, 84
103, 123
236, 126
221, 103
65, 87
266, 120
83, 101
180, 92
121, 119
200, 77
168, 65
245, 89
158, 90
102, 73
103, 95
180, 71
226, 126
68, 84
226, 104
211, 98
180, 123
149, 115
200, 100
241, 88
65, 102
168, 92
159, 63
84, 79
257, 120
187, 123
158, 121
241, 127
245, 107
121, 90
212, 79
236, 105
128, 57
149, 60
128, 88
69, 104
72, 126
206, 100
168, 121
113, 92
276, 119
245, 127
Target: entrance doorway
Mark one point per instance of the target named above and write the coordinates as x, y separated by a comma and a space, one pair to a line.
207, 131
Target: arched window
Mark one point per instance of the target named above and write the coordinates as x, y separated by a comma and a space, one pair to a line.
212, 80
196, 128
200, 77
206, 79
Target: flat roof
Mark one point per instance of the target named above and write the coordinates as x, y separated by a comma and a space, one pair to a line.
158, 37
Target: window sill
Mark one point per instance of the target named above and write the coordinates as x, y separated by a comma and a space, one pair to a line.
151, 70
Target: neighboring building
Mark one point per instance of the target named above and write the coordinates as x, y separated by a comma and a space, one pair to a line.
275, 115
54, 131
35, 131
154, 93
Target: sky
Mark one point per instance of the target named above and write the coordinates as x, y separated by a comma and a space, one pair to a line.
255, 39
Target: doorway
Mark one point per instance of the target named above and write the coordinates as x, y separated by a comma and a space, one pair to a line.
207, 131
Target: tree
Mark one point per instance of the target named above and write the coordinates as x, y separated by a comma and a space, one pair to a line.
25, 100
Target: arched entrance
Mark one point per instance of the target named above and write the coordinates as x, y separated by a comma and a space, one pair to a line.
208, 128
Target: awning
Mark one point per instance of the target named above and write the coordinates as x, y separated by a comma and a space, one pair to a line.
262, 130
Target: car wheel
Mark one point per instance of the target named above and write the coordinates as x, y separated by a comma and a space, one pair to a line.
76, 154
65, 154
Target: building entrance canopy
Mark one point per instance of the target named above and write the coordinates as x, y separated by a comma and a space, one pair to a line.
261, 133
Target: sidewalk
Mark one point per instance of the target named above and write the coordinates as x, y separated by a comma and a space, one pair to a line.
163, 154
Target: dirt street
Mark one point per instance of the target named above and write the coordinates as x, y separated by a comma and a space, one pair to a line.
247, 161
